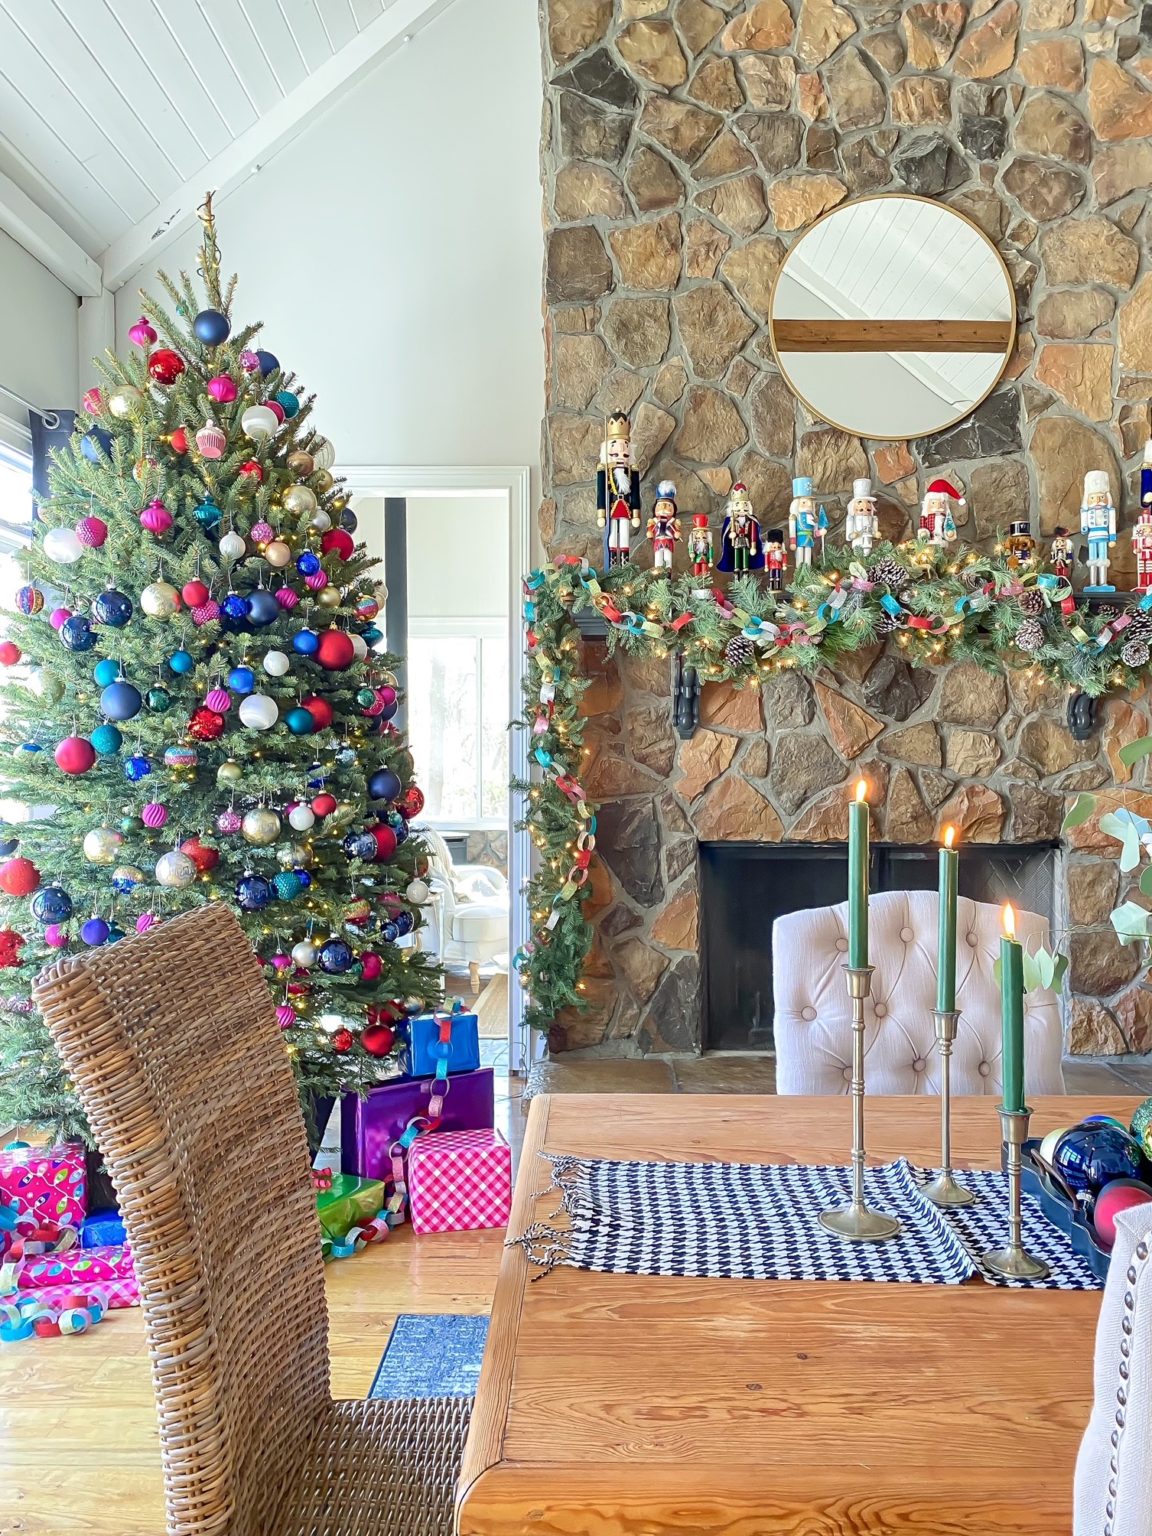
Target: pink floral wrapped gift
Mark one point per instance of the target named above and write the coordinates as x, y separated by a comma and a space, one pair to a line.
107, 1270
459, 1181
48, 1183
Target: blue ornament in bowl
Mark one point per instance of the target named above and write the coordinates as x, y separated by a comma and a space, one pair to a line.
1092, 1154
335, 957
112, 608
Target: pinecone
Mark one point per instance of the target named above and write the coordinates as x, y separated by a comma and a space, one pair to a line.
739, 651
1030, 635
1107, 611
1031, 601
1140, 625
888, 573
887, 623
1135, 653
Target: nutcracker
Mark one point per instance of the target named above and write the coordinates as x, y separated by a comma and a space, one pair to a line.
1142, 549
805, 525
1062, 553
617, 490
1146, 476
775, 558
861, 525
664, 526
699, 545
1020, 546
1098, 525
740, 548
937, 525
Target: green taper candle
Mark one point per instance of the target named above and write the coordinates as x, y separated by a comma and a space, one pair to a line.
1012, 1012
946, 929
858, 878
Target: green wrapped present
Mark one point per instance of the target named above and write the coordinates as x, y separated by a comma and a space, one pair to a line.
348, 1202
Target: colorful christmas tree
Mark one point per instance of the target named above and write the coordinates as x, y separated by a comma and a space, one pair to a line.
195, 692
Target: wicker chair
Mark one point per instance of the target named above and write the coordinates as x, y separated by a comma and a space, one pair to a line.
173, 1045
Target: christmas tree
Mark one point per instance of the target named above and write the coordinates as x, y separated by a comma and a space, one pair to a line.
195, 692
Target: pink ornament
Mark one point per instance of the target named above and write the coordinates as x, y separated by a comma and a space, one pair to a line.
145, 921
141, 334
285, 1016
370, 965
249, 361
262, 532
92, 531
75, 754
218, 701
204, 613
281, 962
210, 441
387, 694
287, 597
277, 410
316, 581
59, 617
56, 936
154, 814
222, 389
229, 821
93, 401
156, 518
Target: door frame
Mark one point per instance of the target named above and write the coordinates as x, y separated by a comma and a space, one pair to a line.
513, 481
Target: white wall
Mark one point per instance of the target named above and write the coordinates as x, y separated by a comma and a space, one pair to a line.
38, 338
457, 553
394, 250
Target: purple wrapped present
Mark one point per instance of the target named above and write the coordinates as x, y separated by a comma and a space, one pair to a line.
369, 1126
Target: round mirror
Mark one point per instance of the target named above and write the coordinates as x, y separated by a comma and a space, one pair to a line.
893, 317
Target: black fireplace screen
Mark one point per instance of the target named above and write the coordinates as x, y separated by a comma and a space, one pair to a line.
745, 887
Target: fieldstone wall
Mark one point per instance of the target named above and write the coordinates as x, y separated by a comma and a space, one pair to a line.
685, 145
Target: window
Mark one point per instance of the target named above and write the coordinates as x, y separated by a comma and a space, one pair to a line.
458, 718
15, 532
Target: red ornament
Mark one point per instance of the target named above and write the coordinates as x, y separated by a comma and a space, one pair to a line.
320, 710
19, 877
324, 805
338, 541
378, 1039
166, 366
92, 531
342, 1041
194, 593
202, 856
370, 965
205, 724
335, 651
385, 841
411, 802
93, 401
253, 470
10, 944
75, 754
9, 653
277, 410
178, 441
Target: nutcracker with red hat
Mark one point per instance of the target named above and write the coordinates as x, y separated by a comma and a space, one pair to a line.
740, 548
699, 545
1020, 546
1098, 525
1062, 553
775, 559
617, 490
664, 526
861, 525
937, 525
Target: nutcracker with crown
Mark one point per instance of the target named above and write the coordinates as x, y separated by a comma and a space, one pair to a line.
699, 545
1098, 525
861, 525
664, 526
740, 537
617, 490
1062, 553
805, 524
937, 525
775, 558
1020, 546
1142, 549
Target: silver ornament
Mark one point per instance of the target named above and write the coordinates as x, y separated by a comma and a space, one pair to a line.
304, 954
260, 827
175, 870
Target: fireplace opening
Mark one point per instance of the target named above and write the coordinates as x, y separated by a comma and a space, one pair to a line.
745, 887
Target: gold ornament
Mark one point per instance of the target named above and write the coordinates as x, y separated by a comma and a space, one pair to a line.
329, 597
301, 464
229, 772
160, 600
102, 845
321, 482
299, 501
277, 553
291, 855
125, 401
260, 827
344, 814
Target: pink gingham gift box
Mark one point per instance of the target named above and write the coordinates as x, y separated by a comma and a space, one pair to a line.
459, 1181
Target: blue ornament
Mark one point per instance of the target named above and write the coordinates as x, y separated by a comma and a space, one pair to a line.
303, 876
51, 905
399, 826
388, 711
211, 327
371, 636
114, 932
305, 642
8, 847
120, 701
1089, 1156
405, 922
112, 608
107, 740
359, 845
181, 662
106, 671
335, 957
95, 931
289, 403
76, 634
242, 679
29, 600
308, 563
30, 746
208, 515
299, 722
287, 885
253, 892
126, 878
136, 768
389, 932
263, 608
268, 361
96, 445
349, 521
235, 607
384, 785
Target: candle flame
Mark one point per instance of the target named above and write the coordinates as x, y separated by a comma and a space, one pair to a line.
949, 836
861, 789
1009, 921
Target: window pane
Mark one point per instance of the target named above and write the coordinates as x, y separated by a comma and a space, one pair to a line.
494, 727
443, 725
15, 491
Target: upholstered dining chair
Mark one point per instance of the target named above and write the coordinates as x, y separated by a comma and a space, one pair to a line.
813, 1021
172, 1043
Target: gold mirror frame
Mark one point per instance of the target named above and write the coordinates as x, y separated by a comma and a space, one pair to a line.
1013, 323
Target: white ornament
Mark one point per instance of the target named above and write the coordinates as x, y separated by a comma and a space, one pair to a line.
301, 818
258, 712
304, 954
323, 453
418, 892
259, 422
175, 870
276, 663
232, 547
321, 520
160, 600
359, 646
63, 545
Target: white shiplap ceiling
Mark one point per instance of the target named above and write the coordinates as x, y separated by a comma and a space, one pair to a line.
111, 109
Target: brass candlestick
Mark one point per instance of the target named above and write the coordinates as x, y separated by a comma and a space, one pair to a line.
1014, 1262
944, 1190
855, 1222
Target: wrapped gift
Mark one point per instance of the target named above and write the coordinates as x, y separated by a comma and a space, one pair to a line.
349, 1202
110, 1293
81, 1269
103, 1229
369, 1126
421, 1048
48, 1183
459, 1181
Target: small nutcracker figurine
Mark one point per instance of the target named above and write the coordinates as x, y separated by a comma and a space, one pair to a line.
1020, 546
1142, 549
740, 548
664, 526
805, 524
1062, 553
617, 490
775, 558
861, 525
937, 525
1098, 525
699, 545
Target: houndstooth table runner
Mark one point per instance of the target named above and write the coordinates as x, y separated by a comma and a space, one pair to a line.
759, 1221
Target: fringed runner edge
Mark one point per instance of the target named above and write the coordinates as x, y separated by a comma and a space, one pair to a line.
544, 1245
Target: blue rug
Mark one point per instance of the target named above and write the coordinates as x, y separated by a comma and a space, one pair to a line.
434, 1354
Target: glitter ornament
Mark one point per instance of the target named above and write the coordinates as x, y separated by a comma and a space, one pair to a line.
232, 547
75, 755
166, 366
107, 740
342, 1041
92, 532
262, 533
222, 389
260, 827
229, 821
287, 885
367, 608
411, 802
19, 877
204, 858
29, 600
205, 613
180, 757
154, 815
160, 600
210, 441
63, 545
304, 954
205, 724
156, 518
125, 879
259, 712
136, 768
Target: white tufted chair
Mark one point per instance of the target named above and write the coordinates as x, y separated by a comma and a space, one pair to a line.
813, 1015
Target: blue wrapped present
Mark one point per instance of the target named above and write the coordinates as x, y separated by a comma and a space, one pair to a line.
103, 1229
421, 1048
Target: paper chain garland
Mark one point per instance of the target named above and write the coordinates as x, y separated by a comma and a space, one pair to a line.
938, 606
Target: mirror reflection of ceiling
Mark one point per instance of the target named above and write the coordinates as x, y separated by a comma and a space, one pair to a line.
892, 317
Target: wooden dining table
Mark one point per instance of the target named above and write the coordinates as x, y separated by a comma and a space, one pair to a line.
631, 1405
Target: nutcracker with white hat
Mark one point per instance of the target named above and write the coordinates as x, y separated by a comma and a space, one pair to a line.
1098, 525
937, 525
1142, 533
805, 524
861, 525
664, 526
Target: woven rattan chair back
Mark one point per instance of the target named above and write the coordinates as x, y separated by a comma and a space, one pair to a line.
173, 1045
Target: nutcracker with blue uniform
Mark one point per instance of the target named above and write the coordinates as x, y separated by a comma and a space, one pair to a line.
740, 546
664, 526
805, 524
617, 490
1098, 525
1142, 533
